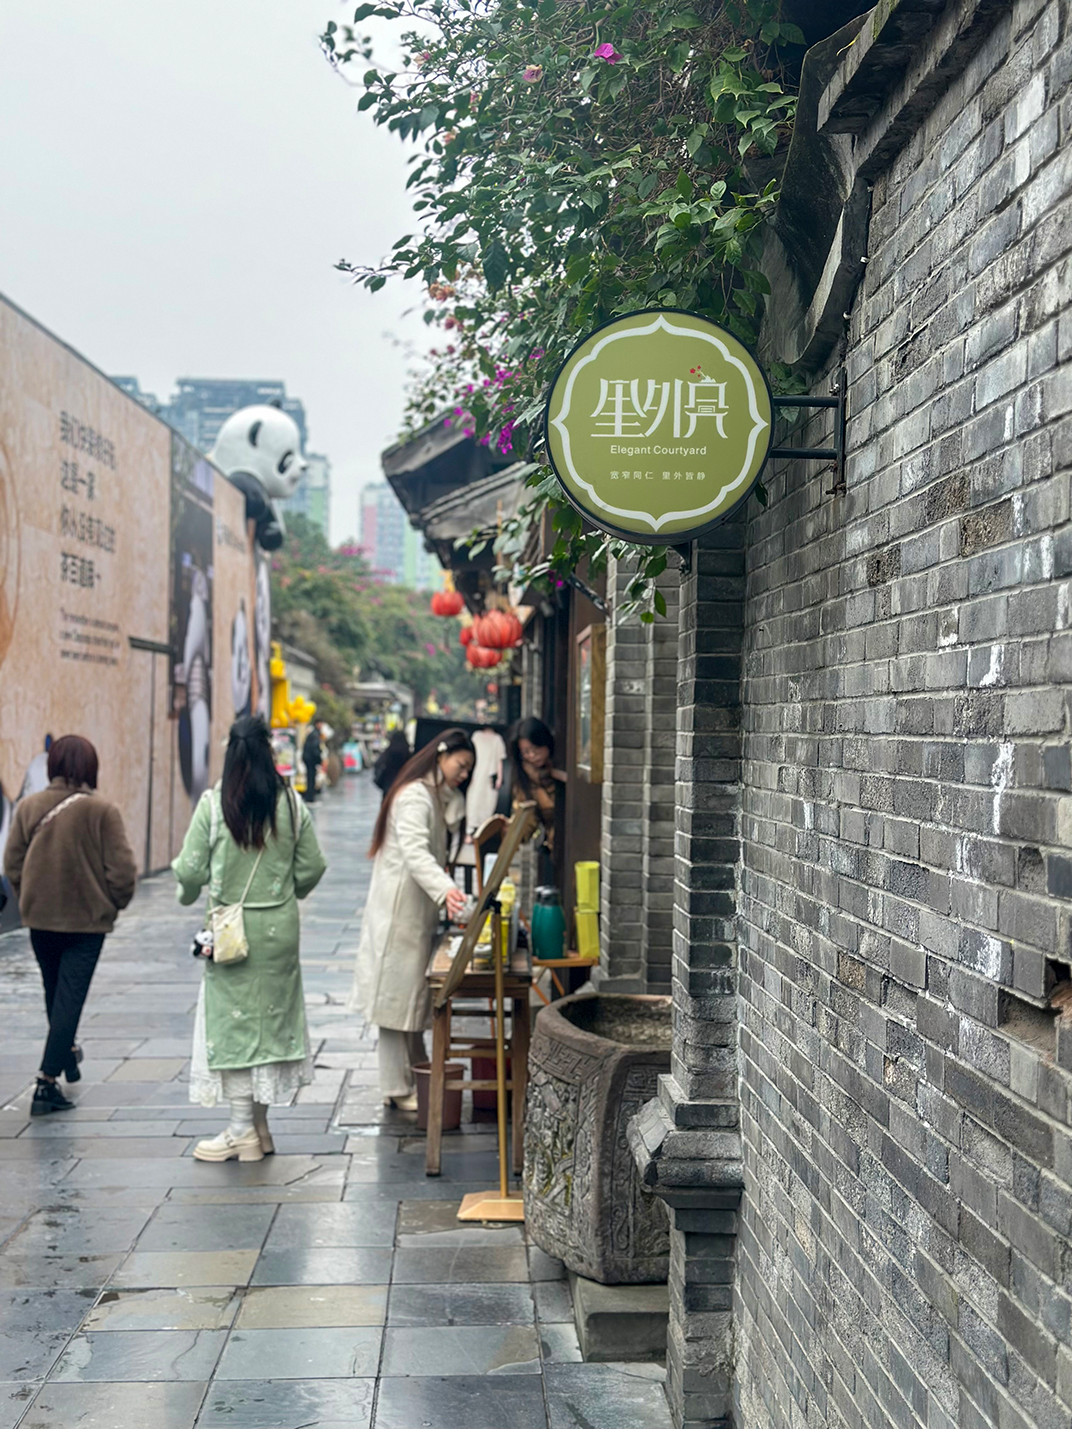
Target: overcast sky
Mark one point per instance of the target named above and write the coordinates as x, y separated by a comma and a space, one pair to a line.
176, 184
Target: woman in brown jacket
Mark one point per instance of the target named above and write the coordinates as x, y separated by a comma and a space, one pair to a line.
70, 865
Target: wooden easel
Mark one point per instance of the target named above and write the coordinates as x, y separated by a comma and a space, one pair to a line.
517, 985
500, 1204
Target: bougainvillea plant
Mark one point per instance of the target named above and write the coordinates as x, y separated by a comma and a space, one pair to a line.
572, 161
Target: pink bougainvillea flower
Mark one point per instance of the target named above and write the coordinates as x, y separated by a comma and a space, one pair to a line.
422, 59
607, 52
533, 74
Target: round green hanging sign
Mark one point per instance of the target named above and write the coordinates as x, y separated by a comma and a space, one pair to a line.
658, 425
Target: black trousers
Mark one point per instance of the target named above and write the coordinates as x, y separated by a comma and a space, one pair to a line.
310, 781
67, 962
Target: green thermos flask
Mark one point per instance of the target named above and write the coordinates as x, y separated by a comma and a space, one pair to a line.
548, 924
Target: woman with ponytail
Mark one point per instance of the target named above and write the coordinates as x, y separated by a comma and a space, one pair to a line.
251, 1044
422, 812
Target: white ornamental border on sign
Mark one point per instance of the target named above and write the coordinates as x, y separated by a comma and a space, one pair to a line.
645, 516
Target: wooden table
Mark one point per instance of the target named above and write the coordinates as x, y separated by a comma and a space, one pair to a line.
516, 985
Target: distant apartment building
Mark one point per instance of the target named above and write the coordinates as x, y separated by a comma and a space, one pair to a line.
201, 405
383, 532
132, 387
422, 570
392, 547
312, 499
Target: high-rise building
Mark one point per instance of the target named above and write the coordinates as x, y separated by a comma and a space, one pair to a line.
132, 387
201, 405
383, 532
312, 499
422, 570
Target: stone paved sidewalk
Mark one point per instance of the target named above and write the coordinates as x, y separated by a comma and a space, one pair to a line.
329, 1285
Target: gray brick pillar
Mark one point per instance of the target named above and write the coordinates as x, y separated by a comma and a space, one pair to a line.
687, 1142
660, 713
622, 832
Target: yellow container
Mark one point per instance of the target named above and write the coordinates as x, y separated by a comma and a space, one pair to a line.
587, 933
587, 875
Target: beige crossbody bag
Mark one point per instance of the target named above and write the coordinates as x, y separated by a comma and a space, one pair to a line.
228, 925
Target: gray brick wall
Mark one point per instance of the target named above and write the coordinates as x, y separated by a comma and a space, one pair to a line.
903, 1255
637, 823
699, 1099
624, 810
660, 718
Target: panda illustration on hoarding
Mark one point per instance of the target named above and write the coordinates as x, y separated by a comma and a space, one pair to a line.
241, 668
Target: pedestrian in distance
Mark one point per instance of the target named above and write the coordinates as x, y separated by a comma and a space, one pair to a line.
252, 841
390, 763
312, 756
70, 866
420, 817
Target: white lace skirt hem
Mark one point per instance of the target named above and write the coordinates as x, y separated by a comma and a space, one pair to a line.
271, 1084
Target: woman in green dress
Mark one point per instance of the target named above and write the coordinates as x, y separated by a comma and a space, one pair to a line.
251, 1043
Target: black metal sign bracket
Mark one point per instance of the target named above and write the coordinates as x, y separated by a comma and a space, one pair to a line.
834, 454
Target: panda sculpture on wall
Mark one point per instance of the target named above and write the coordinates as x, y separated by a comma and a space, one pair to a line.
259, 450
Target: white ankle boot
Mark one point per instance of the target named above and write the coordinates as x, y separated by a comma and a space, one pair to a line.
228, 1147
406, 1103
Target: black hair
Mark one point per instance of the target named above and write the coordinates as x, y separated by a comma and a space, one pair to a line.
536, 732
251, 783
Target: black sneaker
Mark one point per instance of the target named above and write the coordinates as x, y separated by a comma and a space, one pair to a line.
71, 1071
48, 1097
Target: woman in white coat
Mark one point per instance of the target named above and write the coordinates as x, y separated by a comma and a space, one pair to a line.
423, 809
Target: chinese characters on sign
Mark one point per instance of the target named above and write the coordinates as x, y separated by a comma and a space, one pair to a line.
83, 438
75, 481
91, 530
672, 405
625, 415
77, 570
81, 481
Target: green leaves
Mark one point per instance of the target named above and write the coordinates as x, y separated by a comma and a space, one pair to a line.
495, 264
548, 206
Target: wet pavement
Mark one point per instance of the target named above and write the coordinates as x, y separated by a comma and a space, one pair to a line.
329, 1285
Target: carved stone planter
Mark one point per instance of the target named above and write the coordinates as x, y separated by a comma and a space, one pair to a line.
594, 1062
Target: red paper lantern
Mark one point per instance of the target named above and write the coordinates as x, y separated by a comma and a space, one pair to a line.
466, 634
498, 630
447, 602
480, 657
